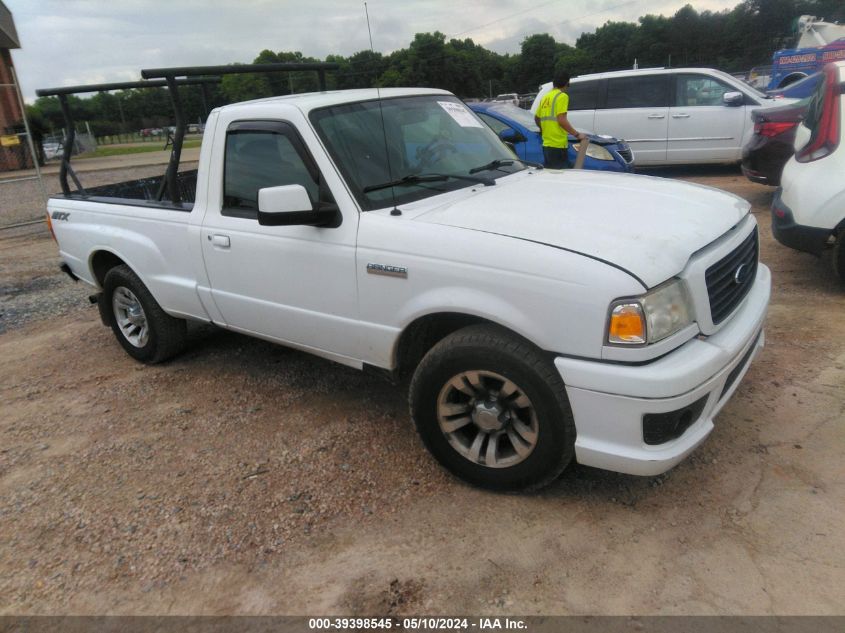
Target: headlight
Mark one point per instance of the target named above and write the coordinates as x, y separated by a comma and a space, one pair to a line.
595, 151
654, 316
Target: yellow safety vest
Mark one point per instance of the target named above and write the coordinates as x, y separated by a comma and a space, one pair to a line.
554, 103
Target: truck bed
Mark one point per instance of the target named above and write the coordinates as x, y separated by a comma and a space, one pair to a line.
143, 191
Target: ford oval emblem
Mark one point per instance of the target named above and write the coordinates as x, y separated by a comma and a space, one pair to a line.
741, 274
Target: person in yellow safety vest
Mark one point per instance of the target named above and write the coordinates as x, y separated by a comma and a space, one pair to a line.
554, 126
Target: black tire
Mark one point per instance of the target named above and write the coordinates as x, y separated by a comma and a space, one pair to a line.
494, 350
166, 334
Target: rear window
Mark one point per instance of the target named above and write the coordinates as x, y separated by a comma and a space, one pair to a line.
583, 95
643, 91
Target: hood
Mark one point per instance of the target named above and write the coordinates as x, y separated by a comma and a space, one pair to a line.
644, 225
597, 139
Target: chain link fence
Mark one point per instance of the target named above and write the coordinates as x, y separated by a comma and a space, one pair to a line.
22, 192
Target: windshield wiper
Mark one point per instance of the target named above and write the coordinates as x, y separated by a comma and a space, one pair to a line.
415, 179
501, 162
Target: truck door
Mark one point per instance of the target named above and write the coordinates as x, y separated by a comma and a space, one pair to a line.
702, 128
294, 284
636, 109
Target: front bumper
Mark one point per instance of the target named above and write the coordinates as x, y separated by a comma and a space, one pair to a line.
763, 158
609, 400
757, 176
809, 239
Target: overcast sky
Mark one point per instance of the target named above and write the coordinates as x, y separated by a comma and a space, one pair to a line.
67, 42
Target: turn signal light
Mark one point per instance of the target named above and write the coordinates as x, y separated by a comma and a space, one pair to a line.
627, 324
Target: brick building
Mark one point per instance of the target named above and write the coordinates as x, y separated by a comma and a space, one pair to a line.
14, 153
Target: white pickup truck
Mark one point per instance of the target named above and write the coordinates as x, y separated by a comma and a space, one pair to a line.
538, 316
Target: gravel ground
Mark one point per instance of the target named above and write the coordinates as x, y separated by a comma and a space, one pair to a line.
31, 286
244, 477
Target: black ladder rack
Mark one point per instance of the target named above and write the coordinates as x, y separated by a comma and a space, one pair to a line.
70, 127
170, 75
171, 78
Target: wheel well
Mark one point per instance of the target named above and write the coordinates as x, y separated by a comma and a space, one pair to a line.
791, 79
424, 333
102, 262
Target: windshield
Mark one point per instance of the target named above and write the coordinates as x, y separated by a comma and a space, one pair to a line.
434, 134
510, 111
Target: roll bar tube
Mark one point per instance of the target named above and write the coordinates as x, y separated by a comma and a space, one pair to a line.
170, 75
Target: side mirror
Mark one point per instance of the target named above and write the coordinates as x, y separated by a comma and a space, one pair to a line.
289, 205
733, 98
510, 135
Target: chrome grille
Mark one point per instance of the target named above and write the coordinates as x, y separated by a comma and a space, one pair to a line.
730, 279
625, 152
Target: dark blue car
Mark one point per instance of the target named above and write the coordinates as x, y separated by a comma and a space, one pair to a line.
515, 125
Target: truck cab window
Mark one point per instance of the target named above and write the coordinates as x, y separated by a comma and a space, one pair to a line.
258, 159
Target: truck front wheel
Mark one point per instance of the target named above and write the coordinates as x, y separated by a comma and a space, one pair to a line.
145, 331
493, 410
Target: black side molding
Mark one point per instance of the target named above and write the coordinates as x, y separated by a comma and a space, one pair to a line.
66, 270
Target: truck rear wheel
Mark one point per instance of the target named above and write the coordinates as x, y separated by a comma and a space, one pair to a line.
145, 331
493, 410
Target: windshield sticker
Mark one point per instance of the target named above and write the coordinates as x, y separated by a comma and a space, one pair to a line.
461, 114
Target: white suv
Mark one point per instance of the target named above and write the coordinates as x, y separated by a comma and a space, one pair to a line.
808, 212
667, 116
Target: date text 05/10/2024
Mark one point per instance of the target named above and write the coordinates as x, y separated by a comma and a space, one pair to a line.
414, 624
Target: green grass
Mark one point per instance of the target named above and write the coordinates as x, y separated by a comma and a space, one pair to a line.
117, 150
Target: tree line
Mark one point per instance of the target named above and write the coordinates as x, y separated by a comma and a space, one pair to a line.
732, 40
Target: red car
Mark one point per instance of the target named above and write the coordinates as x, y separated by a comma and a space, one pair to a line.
768, 150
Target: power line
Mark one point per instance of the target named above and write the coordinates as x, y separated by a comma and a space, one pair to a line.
507, 17
540, 6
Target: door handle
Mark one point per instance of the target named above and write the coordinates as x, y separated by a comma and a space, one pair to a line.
219, 240
680, 116
656, 116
